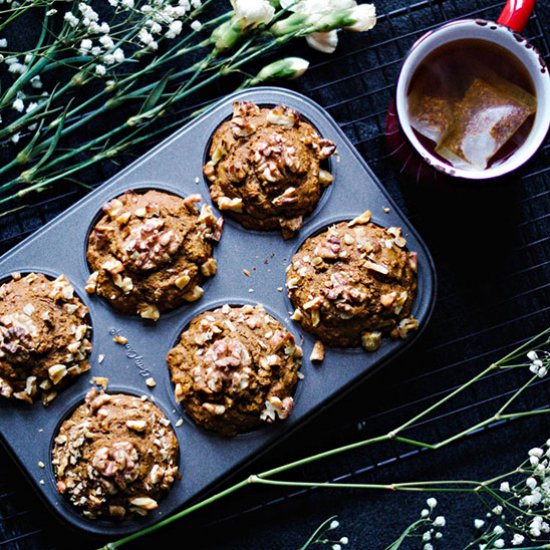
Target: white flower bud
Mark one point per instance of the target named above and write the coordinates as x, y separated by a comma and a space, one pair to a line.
325, 42
364, 16
251, 13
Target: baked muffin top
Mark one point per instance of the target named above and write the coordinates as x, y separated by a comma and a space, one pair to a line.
234, 368
265, 167
44, 337
354, 283
115, 456
151, 251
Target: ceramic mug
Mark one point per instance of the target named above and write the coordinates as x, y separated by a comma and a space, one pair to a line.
504, 33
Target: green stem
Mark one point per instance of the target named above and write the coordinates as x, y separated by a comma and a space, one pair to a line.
179, 515
317, 531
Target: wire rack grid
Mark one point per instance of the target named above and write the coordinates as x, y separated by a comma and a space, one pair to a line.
494, 278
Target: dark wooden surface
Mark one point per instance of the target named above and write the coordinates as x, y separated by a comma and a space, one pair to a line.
491, 244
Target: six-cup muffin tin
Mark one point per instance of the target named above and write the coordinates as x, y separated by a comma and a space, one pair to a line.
176, 166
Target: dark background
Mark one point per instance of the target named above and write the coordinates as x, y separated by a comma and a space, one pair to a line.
491, 245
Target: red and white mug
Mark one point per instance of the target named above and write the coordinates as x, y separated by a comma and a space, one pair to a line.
504, 33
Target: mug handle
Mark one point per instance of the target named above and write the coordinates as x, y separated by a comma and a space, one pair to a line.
516, 13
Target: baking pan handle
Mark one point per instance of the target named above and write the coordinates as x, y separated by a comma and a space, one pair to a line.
516, 13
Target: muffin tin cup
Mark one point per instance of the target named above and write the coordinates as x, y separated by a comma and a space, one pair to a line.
206, 459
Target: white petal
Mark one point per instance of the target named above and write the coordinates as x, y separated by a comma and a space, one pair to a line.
325, 42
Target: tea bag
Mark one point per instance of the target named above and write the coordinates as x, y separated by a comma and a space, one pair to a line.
486, 118
430, 114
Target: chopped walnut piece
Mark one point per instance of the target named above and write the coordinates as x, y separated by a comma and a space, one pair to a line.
209, 268
318, 352
57, 373
182, 281
150, 382
91, 283
325, 177
363, 219
122, 340
194, 294
148, 311
371, 340
137, 425
101, 381
233, 205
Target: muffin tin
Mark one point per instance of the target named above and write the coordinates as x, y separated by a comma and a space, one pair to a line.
176, 166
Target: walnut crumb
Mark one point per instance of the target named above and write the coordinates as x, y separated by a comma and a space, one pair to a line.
100, 381
41, 464
179, 422
150, 382
387, 210
100, 358
318, 352
122, 340
246, 272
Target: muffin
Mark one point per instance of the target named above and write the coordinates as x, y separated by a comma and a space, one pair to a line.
353, 284
235, 368
44, 337
150, 252
264, 167
116, 456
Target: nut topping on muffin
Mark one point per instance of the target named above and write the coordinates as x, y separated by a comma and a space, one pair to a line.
264, 167
234, 368
115, 456
354, 283
44, 337
151, 251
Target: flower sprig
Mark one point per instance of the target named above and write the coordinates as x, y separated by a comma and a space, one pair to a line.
517, 359
140, 58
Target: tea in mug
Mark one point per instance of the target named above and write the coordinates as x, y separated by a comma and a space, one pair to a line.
471, 103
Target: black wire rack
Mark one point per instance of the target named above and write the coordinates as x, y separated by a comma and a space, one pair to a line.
491, 247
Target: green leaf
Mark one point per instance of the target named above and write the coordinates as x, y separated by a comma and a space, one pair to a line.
155, 94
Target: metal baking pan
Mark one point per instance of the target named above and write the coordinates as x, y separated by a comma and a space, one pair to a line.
176, 166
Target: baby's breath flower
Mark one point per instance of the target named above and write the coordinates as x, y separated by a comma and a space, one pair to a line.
498, 530
51, 12
439, 521
336, 547
174, 29
18, 105
196, 25
497, 510
344, 540
426, 536
532, 355
499, 543
17, 68
100, 70
531, 482
428, 546
478, 523
517, 539
3, 43
505, 487
432, 502
71, 19
15, 138
85, 46
107, 42
334, 524
424, 513
119, 56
